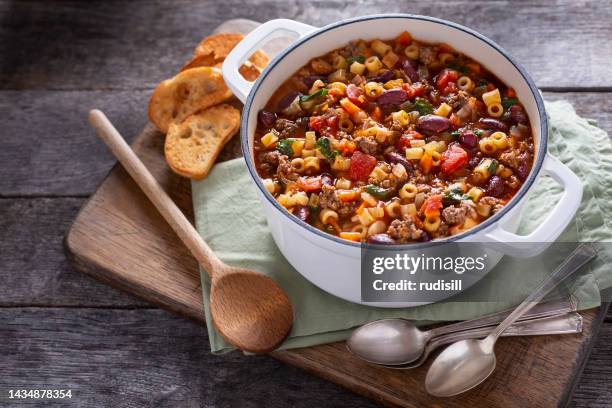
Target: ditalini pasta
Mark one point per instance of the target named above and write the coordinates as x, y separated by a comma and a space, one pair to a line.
393, 141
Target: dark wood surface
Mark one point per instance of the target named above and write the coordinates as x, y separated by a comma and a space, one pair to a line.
60, 328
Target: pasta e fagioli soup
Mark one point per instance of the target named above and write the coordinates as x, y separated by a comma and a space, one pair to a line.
393, 141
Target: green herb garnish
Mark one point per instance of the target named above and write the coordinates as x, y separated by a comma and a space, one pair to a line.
377, 191
454, 195
324, 147
320, 92
455, 133
508, 102
479, 132
458, 67
284, 146
356, 58
423, 106
492, 167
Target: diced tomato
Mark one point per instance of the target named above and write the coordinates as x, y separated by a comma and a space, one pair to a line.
414, 90
325, 123
404, 38
453, 158
450, 88
404, 141
316, 122
446, 76
511, 92
356, 95
332, 121
309, 183
432, 206
361, 166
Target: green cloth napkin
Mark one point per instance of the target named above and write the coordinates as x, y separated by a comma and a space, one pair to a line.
229, 217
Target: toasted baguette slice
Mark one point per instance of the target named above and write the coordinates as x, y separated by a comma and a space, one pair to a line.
193, 145
188, 92
213, 50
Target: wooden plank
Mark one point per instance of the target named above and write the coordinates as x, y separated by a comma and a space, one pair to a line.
51, 150
150, 357
595, 387
532, 371
49, 147
138, 358
563, 43
34, 269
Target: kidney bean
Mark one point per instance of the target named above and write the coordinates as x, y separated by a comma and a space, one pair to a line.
468, 139
495, 188
267, 118
302, 122
522, 170
474, 161
517, 115
381, 239
302, 212
327, 178
286, 100
384, 77
433, 123
392, 97
410, 71
493, 124
424, 237
394, 157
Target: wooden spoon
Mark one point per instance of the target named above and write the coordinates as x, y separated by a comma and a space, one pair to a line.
248, 308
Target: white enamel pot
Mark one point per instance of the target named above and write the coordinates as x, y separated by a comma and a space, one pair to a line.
333, 264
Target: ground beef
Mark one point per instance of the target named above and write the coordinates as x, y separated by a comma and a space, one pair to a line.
404, 230
368, 146
285, 171
510, 158
328, 199
272, 157
423, 188
495, 203
457, 100
454, 215
470, 208
286, 128
427, 55
457, 215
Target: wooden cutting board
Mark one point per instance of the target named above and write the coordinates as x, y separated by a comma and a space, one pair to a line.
119, 238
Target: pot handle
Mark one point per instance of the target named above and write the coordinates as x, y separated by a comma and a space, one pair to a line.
553, 225
265, 32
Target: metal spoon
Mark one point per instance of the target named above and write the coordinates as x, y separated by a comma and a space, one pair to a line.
562, 324
400, 342
467, 363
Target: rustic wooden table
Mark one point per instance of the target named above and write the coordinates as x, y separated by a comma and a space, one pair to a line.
61, 329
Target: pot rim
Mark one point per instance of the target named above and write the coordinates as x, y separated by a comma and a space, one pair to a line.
535, 170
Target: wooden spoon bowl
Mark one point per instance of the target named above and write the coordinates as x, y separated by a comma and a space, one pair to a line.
248, 308
251, 309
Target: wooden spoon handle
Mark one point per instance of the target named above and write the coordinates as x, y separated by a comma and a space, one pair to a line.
164, 204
